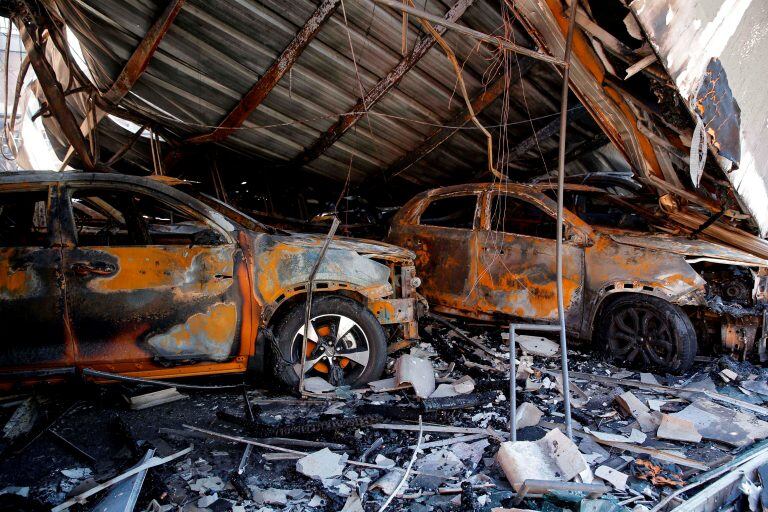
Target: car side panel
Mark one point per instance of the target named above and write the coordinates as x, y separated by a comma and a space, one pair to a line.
445, 262
173, 303
517, 277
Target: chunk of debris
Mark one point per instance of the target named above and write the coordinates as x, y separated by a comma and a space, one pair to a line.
537, 345
634, 407
649, 378
317, 385
322, 464
416, 371
613, 477
719, 423
553, 457
728, 375
527, 415
123, 496
353, 504
22, 420
210, 483
635, 436
677, 429
147, 400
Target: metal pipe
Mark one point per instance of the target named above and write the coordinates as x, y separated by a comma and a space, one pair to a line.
513, 371
559, 245
512, 386
308, 305
482, 36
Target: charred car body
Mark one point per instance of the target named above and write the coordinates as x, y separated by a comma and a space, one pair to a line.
129, 275
487, 251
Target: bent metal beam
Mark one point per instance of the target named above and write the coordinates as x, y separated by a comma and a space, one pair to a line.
388, 82
54, 95
135, 66
440, 135
261, 89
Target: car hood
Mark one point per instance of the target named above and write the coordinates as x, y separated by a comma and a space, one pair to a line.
359, 245
690, 248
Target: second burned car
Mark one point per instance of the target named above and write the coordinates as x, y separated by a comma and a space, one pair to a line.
487, 251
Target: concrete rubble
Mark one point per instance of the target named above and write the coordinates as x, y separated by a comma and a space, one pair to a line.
638, 438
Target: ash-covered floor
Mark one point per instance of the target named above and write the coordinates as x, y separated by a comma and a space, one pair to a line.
619, 419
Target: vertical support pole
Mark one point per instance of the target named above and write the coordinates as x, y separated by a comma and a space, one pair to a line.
560, 186
308, 305
512, 385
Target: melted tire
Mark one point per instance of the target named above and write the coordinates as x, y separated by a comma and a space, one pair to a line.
680, 327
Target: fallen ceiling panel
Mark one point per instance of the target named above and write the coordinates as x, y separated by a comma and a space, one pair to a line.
715, 50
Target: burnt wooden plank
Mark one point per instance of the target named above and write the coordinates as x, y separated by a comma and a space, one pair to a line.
142, 55
54, 95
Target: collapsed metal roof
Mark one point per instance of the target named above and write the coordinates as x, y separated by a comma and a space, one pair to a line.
214, 53
328, 87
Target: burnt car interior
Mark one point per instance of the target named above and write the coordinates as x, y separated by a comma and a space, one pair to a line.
472, 255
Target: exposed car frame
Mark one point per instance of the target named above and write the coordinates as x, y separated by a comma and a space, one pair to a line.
485, 274
174, 310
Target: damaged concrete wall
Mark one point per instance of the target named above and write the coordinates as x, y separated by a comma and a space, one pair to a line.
715, 52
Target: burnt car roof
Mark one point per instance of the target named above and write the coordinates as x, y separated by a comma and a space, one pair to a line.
157, 185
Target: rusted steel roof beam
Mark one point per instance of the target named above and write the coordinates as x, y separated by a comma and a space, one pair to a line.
143, 53
388, 82
544, 133
440, 135
54, 95
261, 89
133, 69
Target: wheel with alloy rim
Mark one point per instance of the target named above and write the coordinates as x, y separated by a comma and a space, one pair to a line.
346, 345
647, 332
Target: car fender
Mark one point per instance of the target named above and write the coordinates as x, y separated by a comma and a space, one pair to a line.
282, 270
613, 268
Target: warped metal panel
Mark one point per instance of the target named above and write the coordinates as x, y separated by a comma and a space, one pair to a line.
715, 51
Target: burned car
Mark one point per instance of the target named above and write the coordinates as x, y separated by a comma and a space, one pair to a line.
487, 251
129, 275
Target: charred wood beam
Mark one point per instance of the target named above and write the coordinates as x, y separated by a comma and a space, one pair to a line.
54, 95
135, 66
440, 135
388, 82
261, 89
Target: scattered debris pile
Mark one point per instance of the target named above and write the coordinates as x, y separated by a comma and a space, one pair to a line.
433, 436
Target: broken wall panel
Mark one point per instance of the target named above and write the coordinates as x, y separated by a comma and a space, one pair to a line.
715, 51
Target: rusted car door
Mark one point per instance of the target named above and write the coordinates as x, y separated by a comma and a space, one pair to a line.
31, 295
516, 260
443, 239
148, 279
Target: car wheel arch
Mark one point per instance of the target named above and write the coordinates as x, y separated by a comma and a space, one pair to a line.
280, 307
613, 291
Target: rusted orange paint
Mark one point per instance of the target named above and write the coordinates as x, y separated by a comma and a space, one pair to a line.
184, 269
209, 334
134, 310
13, 282
582, 50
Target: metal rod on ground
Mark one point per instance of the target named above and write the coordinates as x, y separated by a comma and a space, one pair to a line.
308, 306
512, 386
559, 245
513, 371
90, 372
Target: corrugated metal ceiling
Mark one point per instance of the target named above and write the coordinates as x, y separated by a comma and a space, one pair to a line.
215, 51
